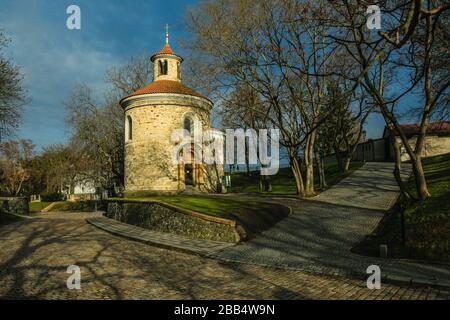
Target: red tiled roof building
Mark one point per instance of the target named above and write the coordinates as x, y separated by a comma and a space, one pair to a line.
152, 114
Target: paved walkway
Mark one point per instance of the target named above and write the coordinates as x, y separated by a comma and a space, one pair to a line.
371, 187
164, 240
35, 254
319, 234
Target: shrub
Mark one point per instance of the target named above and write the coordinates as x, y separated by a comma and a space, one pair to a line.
51, 197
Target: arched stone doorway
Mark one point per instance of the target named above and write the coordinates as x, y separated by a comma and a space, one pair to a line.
190, 172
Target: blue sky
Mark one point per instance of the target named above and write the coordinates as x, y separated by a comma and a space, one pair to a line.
54, 59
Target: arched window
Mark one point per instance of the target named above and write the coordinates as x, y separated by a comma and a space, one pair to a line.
129, 129
187, 124
163, 67
178, 71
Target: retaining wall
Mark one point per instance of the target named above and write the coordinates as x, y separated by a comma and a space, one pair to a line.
166, 218
14, 205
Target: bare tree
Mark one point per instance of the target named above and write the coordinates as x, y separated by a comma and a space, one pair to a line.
12, 96
98, 127
344, 128
98, 124
239, 111
278, 49
61, 166
14, 158
381, 56
133, 75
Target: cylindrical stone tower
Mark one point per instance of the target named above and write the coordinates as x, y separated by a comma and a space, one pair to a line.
151, 116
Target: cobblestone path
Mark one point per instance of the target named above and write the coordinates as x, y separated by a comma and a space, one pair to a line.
320, 233
35, 254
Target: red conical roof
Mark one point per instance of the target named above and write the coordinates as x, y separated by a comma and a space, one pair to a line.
166, 50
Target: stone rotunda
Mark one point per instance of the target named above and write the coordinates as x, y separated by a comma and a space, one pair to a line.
152, 114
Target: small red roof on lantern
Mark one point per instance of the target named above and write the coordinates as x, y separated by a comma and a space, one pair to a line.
166, 50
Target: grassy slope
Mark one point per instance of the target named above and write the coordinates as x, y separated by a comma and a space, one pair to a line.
255, 216
81, 206
38, 206
427, 224
283, 182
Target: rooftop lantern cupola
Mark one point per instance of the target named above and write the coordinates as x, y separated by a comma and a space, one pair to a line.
166, 64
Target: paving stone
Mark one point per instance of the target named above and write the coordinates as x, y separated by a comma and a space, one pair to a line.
320, 233
35, 254
168, 240
311, 247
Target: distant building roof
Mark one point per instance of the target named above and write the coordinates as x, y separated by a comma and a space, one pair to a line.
436, 128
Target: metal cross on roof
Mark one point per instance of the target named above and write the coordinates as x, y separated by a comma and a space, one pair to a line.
167, 33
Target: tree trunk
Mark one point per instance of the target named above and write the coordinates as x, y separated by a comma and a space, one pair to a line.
247, 157
419, 177
397, 167
265, 184
346, 163
309, 164
324, 178
340, 165
295, 167
321, 169
19, 188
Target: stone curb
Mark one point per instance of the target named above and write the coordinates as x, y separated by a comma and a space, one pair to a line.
160, 244
441, 284
317, 269
314, 269
21, 216
326, 271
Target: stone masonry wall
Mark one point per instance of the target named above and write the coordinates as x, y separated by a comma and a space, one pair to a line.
433, 146
149, 162
15, 205
156, 217
173, 69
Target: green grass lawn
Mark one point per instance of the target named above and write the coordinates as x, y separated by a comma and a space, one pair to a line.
38, 206
80, 206
283, 183
255, 216
427, 224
